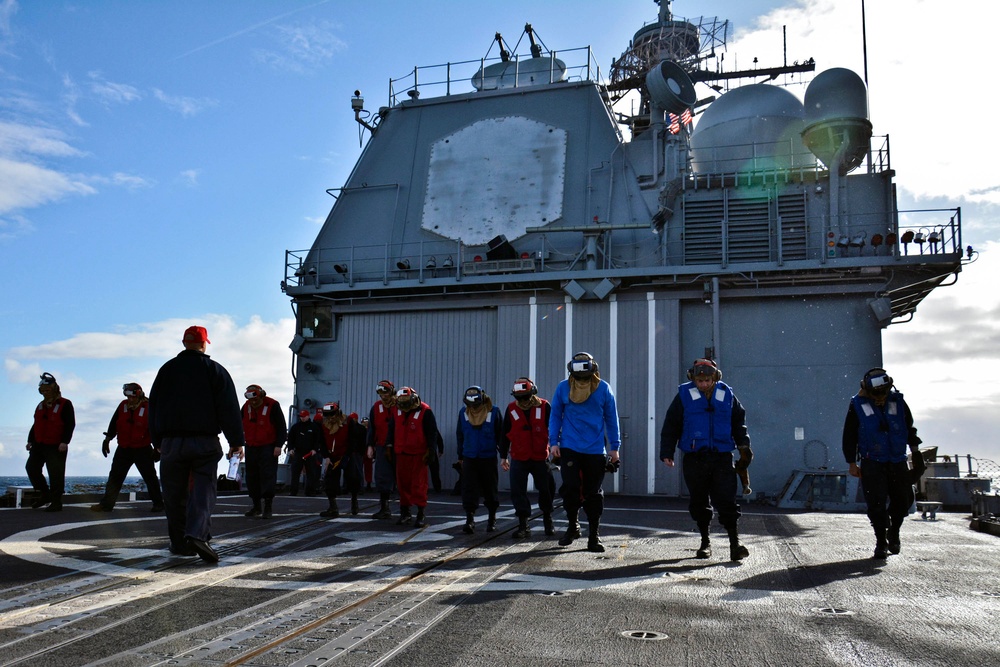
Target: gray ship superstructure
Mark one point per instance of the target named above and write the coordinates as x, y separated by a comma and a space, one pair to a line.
505, 213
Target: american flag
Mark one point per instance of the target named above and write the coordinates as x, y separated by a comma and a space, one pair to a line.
687, 117
675, 124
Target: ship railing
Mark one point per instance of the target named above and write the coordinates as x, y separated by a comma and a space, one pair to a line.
931, 234
454, 78
761, 162
385, 263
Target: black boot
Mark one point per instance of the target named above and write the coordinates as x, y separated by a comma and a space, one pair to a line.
893, 537
470, 524
522, 528
266, 514
572, 530
881, 546
421, 520
550, 530
705, 550
594, 538
491, 522
331, 512
404, 515
737, 551
254, 511
354, 504
383, 509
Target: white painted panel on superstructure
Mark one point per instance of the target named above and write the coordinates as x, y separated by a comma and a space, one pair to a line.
495, 176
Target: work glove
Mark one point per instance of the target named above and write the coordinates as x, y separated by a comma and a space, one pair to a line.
106, 447
746, 456
613, 466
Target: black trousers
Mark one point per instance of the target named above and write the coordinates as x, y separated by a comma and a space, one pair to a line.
188, 469
888, 492
480, 479
384, 471
583, 483
343, 474
124, 459
539, 471
711, 481
296, 465
54, 461
262, 472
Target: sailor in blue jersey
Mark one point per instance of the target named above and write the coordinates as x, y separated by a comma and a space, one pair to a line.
478, 432
707, 422
878, 430
584, 435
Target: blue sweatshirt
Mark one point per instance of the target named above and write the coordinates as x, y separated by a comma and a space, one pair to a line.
583, 427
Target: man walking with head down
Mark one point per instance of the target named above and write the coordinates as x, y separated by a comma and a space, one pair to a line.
192, 400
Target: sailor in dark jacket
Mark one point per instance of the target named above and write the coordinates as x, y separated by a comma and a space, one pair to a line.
192, 399
878, 430
304, 447
708, 422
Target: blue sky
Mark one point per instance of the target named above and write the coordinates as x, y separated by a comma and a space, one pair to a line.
157, 158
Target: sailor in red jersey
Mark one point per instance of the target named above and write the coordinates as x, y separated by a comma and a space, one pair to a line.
524, 450
378, 430
48, 444
344, 450
413, 436
130, 424
265, 430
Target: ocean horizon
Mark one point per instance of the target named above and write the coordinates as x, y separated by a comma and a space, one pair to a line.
77, 484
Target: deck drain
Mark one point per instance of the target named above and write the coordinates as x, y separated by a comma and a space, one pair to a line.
832, 611
645, 635
282, 575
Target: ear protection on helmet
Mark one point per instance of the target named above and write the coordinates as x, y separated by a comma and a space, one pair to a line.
877, 379
704, 367
131, 389
385, 387
582, 365
474, 395
523, 388
46, 378
254, 391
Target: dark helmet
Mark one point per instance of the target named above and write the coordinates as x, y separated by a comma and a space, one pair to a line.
523, 388
582, 366
877, 382
474, 395
255, 391
407, 398
131, 389
703, 367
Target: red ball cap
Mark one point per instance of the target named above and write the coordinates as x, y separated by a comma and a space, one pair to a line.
196, 335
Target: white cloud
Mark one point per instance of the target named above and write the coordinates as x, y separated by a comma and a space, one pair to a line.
108, 92
302, 46
26, 185
190, 176
186, 106
18, 139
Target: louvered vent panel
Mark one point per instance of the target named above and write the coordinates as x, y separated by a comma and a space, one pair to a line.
703, 232
792, 213
749, 237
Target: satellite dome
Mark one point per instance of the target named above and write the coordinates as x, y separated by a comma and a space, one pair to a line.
752, 128
836, 117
